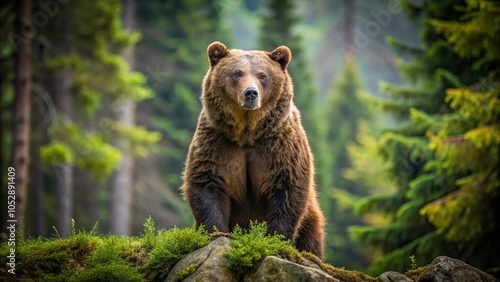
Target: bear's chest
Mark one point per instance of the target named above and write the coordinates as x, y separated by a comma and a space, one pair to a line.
245, 172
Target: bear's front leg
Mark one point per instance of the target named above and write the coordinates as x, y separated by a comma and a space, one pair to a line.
287, 207
206, 186
288, 164
210, 204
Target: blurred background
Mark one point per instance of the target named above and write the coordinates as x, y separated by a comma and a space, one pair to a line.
400, 101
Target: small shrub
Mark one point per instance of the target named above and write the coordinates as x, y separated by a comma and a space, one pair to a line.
251, 246
173, 245
413, 262
148, 238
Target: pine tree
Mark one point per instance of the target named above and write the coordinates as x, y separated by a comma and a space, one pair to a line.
466, 142
406, 149
345, 110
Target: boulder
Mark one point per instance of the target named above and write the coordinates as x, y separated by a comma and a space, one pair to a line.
205, 264
445, 269
276, 269
393, 276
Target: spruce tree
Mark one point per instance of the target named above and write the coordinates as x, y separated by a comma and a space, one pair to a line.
466, 142
411, 164
345, 111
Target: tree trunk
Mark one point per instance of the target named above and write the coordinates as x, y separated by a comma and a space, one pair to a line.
64, 172
64, 190
121, 183
22, 110
38, 190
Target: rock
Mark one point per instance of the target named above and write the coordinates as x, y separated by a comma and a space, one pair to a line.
208, 262
393, 276
446, 269
276, 269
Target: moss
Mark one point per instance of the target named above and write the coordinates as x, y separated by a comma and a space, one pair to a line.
413, 274
347, 275
305, 258
114, 249
87, 256
183, 274
38, 257
173, 245
251, 246
115, 272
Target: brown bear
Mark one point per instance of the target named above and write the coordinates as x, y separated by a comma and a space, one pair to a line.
249, 158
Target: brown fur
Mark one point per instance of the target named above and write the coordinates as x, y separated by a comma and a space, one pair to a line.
249, 158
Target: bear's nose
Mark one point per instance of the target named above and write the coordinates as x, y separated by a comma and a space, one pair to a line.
251, 93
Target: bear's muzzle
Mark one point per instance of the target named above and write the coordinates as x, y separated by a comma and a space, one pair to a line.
250, 99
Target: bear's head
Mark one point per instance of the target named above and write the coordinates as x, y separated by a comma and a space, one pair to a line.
251, 80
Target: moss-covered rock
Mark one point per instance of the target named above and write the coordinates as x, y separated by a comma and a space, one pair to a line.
276, 269
205, 264
189, 254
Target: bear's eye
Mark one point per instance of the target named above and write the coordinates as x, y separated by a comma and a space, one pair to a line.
237, 74
262, 76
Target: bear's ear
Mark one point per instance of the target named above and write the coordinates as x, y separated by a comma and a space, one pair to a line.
216, 51
282, 55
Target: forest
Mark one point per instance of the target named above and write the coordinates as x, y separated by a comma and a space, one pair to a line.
400, 100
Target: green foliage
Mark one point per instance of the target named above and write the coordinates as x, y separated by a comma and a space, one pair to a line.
444, 158
87, 256
478, 34
39, 257
95, 46
109, 272
74, 146
172, 245
148, 238
140, 139
56, 153
345, 111
112, 251
466, 145
468, 155
251, 246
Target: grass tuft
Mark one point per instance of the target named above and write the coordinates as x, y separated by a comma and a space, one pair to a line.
173, 245
251, 246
